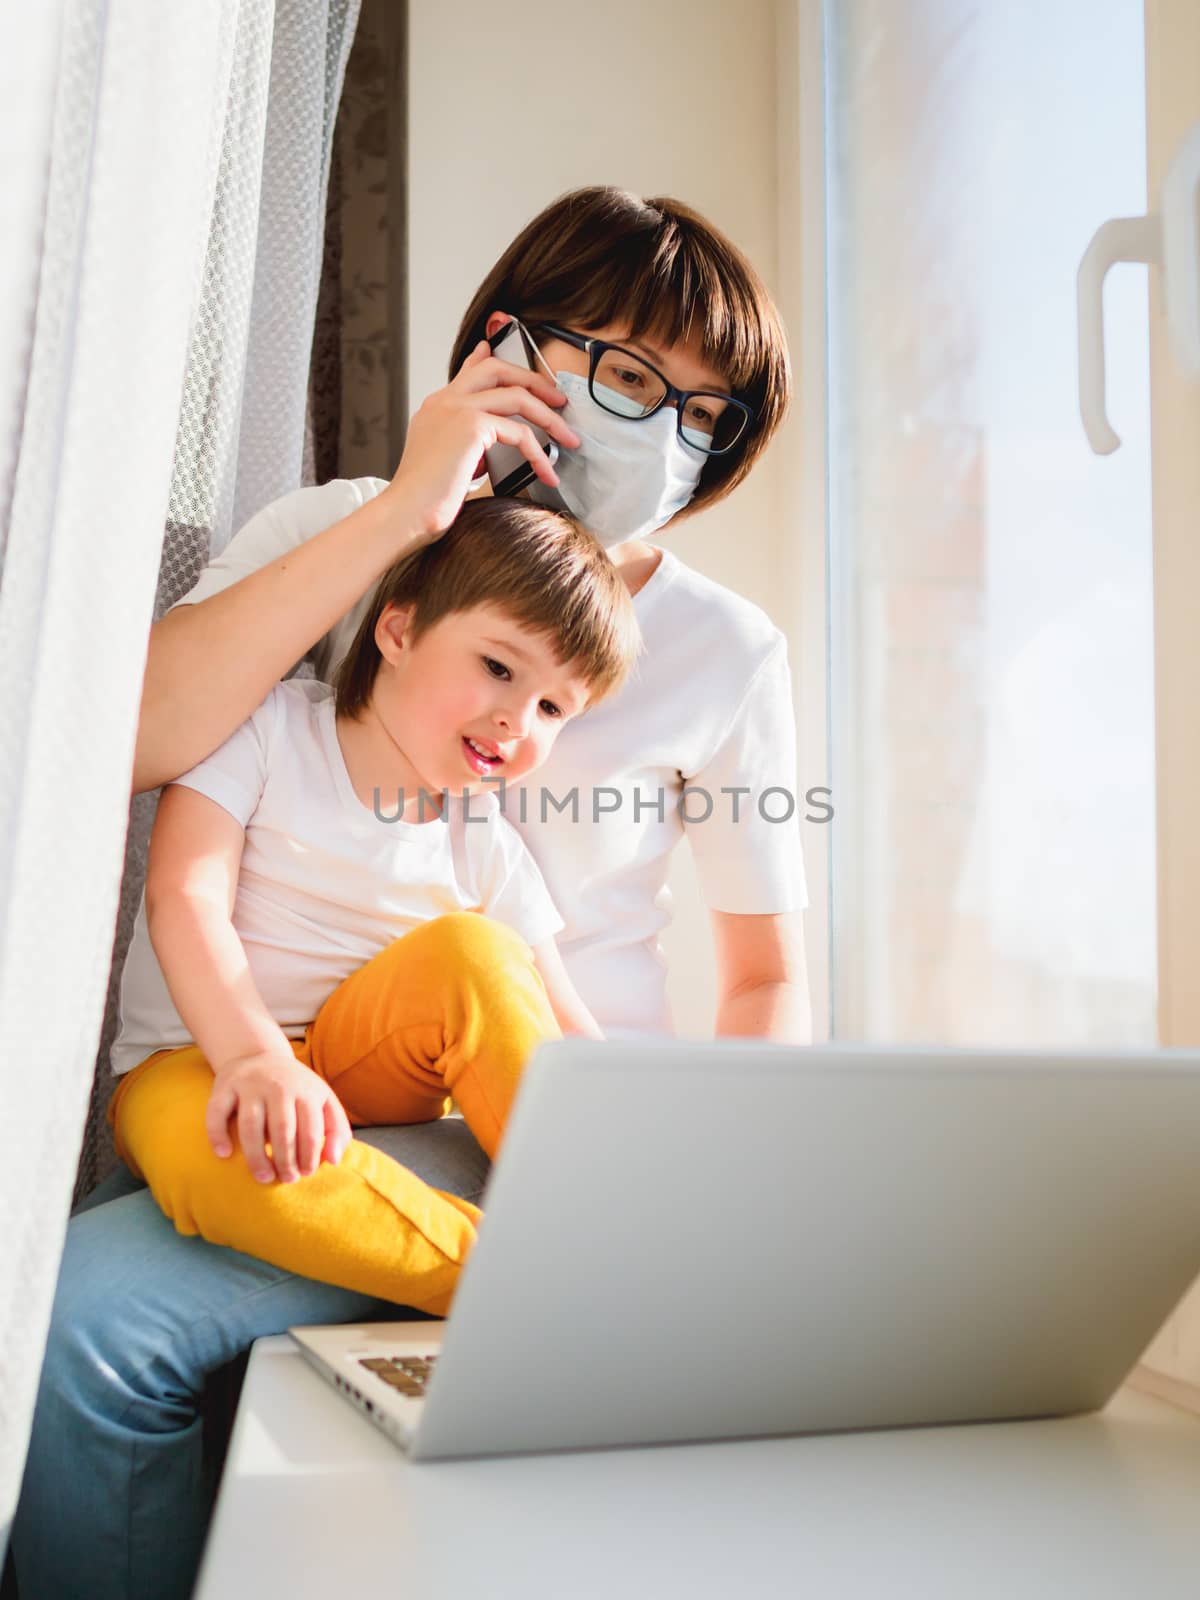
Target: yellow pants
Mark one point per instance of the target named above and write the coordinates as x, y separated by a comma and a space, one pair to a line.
454, 1008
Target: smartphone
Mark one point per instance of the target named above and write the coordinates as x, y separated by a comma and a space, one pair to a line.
508, 469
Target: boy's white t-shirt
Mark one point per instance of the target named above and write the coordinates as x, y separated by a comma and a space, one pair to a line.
325, 884
708, 708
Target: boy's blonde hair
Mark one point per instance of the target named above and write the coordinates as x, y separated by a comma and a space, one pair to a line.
600, 256
540, 566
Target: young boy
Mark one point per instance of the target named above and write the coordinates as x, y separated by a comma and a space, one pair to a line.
312, 900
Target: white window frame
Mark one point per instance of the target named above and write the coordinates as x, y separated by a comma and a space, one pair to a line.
802, 449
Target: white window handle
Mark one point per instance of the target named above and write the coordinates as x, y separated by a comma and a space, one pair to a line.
1170, 241
1121, 239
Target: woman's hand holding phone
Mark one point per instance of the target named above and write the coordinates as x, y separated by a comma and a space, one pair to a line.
488, 402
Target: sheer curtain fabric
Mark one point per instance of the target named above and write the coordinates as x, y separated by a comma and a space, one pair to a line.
160, 277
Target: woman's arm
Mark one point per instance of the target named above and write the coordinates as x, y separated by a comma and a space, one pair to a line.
569, 1010
191, 880
209, 664
762, 977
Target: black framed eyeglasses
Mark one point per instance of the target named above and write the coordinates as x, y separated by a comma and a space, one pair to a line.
625, 383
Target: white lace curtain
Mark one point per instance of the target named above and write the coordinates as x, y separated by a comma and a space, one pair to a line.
160, 280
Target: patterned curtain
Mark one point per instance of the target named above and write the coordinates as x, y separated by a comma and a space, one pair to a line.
357, 404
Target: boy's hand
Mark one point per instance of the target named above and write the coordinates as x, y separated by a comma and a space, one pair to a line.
280, 1101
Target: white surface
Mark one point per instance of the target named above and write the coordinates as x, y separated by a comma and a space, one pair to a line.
315, 1500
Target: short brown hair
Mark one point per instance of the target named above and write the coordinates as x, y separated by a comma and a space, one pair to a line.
540, 566
602, 255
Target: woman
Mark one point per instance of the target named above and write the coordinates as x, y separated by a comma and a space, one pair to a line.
624, 299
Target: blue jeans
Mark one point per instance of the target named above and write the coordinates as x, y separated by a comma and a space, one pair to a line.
117, 1493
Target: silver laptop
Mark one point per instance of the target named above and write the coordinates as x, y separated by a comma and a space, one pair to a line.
707, 1241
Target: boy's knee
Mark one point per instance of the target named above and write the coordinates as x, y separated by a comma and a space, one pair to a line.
160, 1115
468, 939
167, 1141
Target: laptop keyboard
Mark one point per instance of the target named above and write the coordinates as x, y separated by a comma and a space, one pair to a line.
408, 1375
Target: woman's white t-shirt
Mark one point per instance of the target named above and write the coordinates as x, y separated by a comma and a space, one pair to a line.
707, 710
324, 883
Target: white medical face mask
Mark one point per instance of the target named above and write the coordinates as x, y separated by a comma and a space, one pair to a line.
627, 478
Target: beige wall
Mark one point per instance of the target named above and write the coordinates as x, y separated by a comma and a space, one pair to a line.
683, 103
